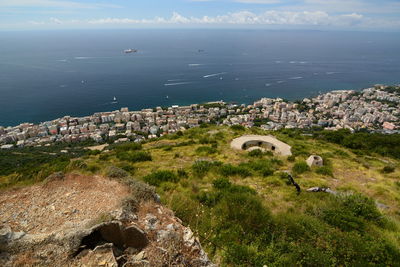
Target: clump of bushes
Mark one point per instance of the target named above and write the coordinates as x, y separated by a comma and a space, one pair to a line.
134, 156
256, 153
115, 172
202, 167
230, 170
238, 127
324, 170
77, 165
352, 212
388, 169
127, 167
128, 147
159, 177
265, 167
300, 167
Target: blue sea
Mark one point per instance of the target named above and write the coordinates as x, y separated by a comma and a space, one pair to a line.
48, 74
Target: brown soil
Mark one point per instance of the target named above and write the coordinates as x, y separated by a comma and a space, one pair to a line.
60, 204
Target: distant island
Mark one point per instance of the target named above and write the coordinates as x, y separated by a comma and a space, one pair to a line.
375, 109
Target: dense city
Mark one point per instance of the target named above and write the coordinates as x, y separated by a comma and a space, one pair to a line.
375, 109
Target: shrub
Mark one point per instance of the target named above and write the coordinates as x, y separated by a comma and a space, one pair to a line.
256, 153
114, 172
388, 169
159, 177
127, 167
202, 167
351, 212
142, 191
182, 173
291, 158
128, 147
230, 170
222, 183
324, 170
237, 127
300, 167
267, 172
93, 168
78, 164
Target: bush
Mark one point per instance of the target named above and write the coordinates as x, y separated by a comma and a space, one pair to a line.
134, 156
141, 191
128, 147
230, 170
388, 169
127, 167
159, 177
114, 172
256, 153
300, 167
238, 127
324, 170
352, 212
222, 183
77, 165
202, 167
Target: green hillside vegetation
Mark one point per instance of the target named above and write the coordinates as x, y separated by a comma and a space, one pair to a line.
242, 204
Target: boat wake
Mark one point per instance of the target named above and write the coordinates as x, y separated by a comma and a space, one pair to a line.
174, 84
195, 65
296, 78
213, 75
82, 58
175, 80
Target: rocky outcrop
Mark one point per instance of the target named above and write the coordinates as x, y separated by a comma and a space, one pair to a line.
133, 233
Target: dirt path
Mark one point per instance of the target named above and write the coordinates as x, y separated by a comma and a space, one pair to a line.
59, 204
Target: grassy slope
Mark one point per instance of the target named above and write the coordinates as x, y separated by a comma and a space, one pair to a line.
351, 172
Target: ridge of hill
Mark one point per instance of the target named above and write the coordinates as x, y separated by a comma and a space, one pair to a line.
243, 205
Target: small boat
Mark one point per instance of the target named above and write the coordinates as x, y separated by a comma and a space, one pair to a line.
167, 97
114, 100
130, 50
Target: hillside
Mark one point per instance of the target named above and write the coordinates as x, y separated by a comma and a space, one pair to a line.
242, 205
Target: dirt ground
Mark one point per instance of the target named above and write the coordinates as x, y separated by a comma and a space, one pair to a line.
60, 204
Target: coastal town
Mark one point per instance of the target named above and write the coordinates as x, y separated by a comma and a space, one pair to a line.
375, 109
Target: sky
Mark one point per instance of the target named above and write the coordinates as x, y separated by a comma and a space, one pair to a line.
375, 15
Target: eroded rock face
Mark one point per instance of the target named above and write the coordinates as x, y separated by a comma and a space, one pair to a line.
115, 233
146, 235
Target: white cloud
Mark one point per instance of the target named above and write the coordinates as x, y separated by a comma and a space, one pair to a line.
247, 18
272, 17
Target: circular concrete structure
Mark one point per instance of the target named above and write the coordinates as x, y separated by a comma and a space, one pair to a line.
264, 142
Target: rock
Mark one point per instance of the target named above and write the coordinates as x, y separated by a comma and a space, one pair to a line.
134, 237
321, 189
100, 256
140, 256
7, 236
151, 222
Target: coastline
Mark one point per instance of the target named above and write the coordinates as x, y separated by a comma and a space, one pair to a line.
371, 109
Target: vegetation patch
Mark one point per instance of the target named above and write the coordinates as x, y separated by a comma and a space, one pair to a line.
159, 177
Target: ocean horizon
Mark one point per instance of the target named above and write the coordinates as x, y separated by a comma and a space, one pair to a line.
49, 74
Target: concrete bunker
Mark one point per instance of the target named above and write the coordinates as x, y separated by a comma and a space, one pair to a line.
315, 160
262, 142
